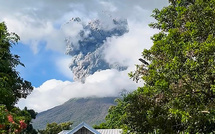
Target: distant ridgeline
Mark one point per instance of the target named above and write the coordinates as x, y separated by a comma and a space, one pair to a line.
87, 52
89, 110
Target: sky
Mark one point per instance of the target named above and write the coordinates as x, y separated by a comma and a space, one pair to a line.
42, 28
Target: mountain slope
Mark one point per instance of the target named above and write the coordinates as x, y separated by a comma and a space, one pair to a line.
89, 110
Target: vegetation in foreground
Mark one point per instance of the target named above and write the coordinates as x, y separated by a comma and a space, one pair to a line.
54, 128
12, 88
178, 72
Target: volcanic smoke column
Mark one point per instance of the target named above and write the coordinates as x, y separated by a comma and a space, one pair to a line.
87, 45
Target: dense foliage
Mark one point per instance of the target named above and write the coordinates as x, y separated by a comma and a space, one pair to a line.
10, 122
54, 128
12, 88
178, 73
16, 120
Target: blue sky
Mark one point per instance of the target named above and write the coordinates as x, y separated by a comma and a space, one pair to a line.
43, 26
39, 67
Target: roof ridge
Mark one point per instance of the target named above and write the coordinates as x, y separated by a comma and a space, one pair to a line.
83, 124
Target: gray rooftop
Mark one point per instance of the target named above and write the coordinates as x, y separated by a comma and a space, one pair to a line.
110, 131
92, 130
64, 132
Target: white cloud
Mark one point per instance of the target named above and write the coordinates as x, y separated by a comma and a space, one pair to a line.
55, 92
35, 21
127, 49
32, 34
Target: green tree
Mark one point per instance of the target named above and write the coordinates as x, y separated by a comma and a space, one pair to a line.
29, 114
114, 118
54, 128
14, 121
12, 86
178, 73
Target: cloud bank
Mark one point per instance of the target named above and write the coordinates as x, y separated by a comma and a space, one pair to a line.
54, 92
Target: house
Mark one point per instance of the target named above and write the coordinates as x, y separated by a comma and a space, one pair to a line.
84, 128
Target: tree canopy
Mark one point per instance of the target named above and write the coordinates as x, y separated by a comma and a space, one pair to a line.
12, 86
54, 128
178, 72
16, 120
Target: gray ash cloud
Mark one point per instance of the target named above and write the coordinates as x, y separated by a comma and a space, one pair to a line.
87, 51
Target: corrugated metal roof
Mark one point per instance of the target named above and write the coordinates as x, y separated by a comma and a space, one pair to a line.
110, 131
94, 131
64, 132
